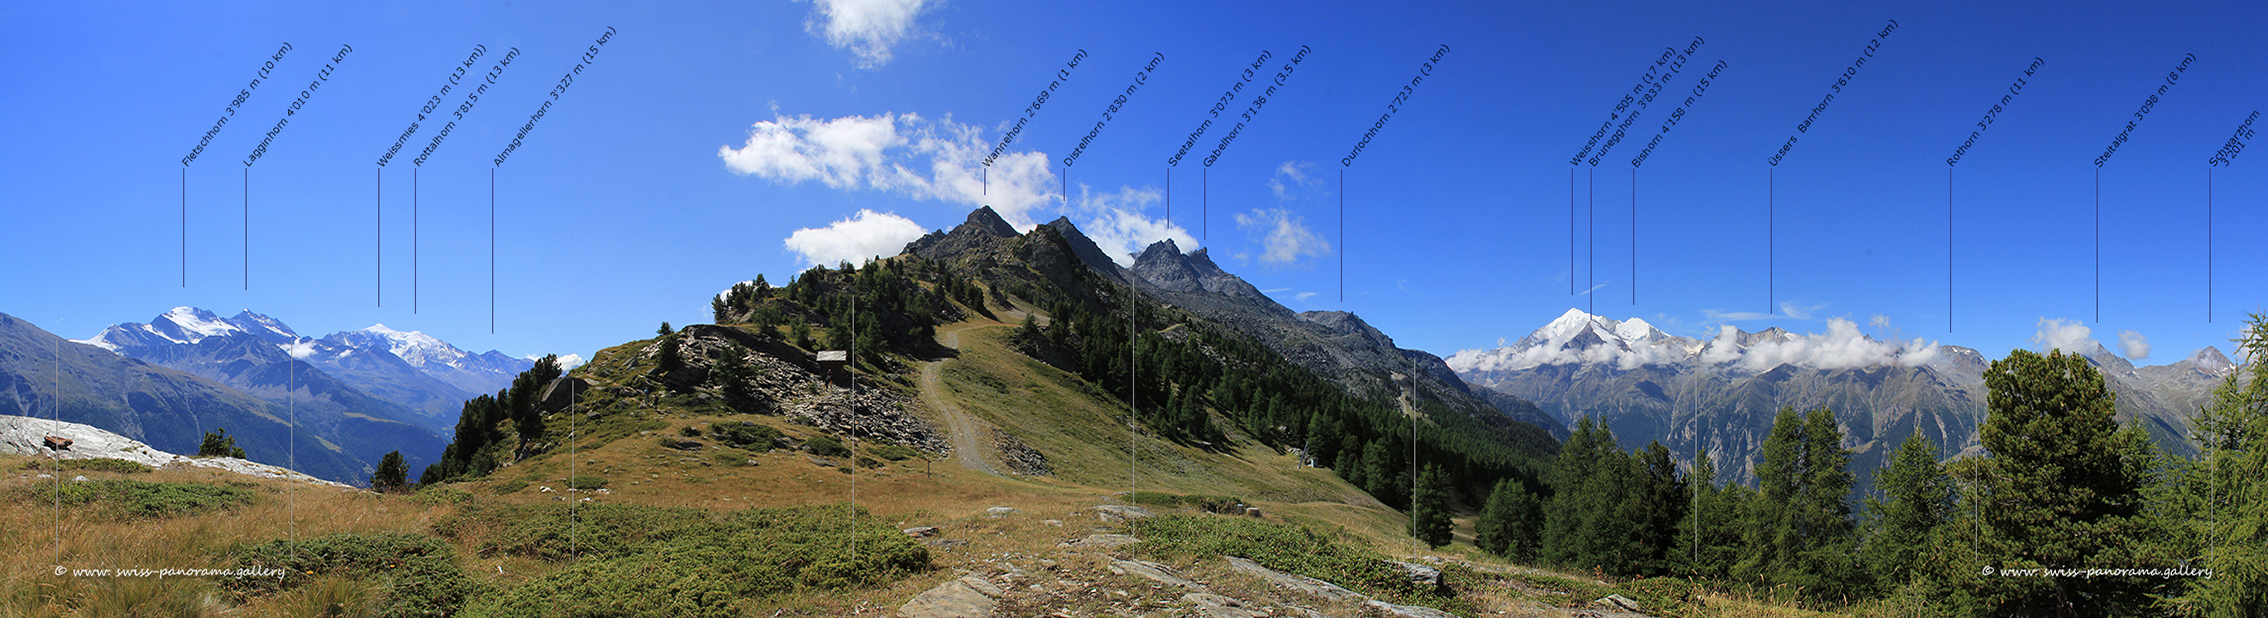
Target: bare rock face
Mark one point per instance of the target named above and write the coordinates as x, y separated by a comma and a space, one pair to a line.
1154, 572
786, 381
21, 435
1121, 512
967, 597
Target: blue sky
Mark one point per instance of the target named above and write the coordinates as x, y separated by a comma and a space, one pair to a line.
640, 192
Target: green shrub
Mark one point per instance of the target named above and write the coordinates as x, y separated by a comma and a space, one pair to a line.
586, 482
728, 458
826, 446
1289, 548
145, 499
99, 464
747, 435
893, 452
421, 573
710, 565
689, 431
511, 486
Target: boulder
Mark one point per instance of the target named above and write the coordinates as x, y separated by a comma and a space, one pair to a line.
560, 392
1422, 575
1252, 511
924, 531
967, 597
999, 511
1616, 602
58, 443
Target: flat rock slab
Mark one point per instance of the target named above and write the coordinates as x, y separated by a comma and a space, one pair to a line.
1382, 609
1154, 572
1121, 512
1296, 583
967, 597
1102, 541
1000, 511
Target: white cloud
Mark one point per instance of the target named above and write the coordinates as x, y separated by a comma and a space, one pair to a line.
2135, 345
1284, 236
1303, 296
1296, 172
905, 154
868, 28
1879, 321
1800, 312
1594, 288
865, 235
2069, 336
1118, 223
1841, 347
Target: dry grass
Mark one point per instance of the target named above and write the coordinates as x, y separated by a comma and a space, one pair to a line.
42, 538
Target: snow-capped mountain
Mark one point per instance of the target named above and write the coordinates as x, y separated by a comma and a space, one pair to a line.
1580, 338
420, 372
1720, 392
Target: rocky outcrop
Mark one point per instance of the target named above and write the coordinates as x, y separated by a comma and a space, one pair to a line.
28, 436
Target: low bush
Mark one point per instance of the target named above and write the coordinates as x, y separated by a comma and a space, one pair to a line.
99, 464
1289, 548
826, 446
142, 499
747, 435
641, 561
420, 573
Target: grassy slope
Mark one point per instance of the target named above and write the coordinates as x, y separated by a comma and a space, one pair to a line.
1049, 410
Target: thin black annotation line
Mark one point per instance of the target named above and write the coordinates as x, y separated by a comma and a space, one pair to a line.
2222, 158
1991, 114
2148, 104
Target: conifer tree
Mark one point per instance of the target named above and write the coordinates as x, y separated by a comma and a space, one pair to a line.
1511, 523
392, 473
2066, 484
1429, 507
1710, 537
2232, 527
1917, 498
1799, 528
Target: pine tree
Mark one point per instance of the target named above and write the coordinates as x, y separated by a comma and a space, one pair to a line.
2232, 431
1570, 475
1917, 498
719, 311
217, 443
1386, 477
1710, 537
1658, 506
1511, 522
2066, 485
1799, 528
667, 359
1429, 508
392, 473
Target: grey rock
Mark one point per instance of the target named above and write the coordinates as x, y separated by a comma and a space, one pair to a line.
921, 532
820, 461
1382, 609
1296, 583
1154, 572
1121, 512
1419, 574
1000, 511
1104, 541
1616, 601
967, 597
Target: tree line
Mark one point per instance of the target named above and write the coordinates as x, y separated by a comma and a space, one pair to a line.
2067, 512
